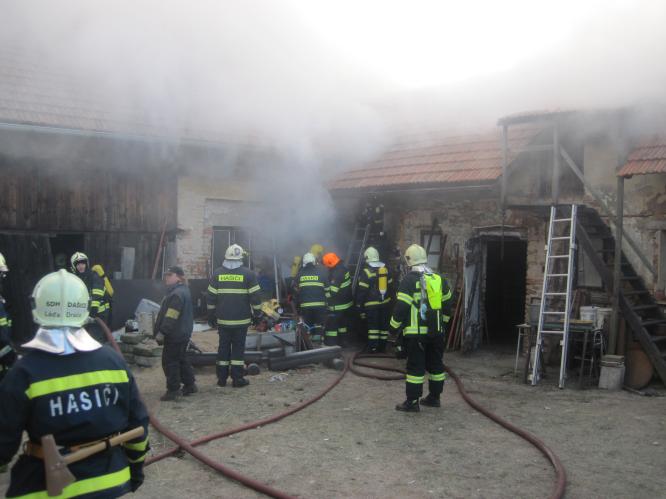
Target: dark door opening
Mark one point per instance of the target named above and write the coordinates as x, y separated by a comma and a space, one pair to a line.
63, 246
505, 289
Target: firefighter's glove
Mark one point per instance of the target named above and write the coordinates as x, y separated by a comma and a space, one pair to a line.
136, 475
212, 321
159, 338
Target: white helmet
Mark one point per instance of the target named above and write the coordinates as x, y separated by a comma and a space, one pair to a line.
416, 255
60, 299
371, 255
3, 264
78, 257
308, 258
234, 252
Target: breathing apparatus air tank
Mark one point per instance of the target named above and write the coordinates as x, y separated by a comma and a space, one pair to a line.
382, 281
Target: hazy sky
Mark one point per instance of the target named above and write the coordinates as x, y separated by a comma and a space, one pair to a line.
330, 71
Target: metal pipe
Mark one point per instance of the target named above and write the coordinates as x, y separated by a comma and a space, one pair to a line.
305, 357
555, 185
617, 268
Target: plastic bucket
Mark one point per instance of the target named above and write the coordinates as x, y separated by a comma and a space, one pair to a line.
588, 314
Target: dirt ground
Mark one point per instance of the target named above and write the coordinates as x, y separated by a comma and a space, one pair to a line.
352, 443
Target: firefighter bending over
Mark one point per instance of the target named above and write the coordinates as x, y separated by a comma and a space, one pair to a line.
70, 386
422, 310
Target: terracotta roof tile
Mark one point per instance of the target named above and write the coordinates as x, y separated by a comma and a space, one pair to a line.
433, 160
648, 157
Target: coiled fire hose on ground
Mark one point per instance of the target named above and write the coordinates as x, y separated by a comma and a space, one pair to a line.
560, 484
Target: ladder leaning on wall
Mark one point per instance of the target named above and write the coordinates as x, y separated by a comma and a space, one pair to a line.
555, 310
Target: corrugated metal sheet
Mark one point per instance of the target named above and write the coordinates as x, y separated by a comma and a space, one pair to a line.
648, 157
429, 159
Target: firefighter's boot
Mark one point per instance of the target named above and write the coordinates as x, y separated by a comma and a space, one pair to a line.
431, 401
409, 406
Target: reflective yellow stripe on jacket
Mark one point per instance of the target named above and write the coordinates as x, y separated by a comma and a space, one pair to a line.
75, 381
87, 486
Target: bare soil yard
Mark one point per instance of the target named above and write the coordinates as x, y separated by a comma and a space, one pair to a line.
352, 443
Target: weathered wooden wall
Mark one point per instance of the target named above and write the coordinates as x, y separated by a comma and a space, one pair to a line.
111, 207
36, 196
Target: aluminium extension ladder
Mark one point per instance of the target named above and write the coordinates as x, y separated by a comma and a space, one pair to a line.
555, 310
357, 246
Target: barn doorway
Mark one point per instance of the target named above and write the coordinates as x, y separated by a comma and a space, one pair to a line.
63, 246
505, 289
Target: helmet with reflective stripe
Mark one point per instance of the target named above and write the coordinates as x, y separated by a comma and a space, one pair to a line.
60, 299
234, 252
77, 258
3, 264
371, 255
416, 255
308, 258
331, 260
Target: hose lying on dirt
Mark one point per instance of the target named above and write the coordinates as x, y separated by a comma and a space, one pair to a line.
254, 424
188, 447
560, 472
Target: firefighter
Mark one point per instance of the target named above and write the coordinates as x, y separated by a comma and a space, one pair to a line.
173, 329
339, 301
108, 290
7, 353
373, 215
70, 386
98, 305
311, 284
373, 300
233, 298
422, 310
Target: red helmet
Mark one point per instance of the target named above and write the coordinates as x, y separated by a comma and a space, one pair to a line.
331, 260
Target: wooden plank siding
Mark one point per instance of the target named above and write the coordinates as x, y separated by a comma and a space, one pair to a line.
36, 197
111, 207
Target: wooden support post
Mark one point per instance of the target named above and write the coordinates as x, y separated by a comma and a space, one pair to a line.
617, 269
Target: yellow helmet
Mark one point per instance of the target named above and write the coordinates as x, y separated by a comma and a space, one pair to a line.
234, 252
78, 257
416, 255
60, 299
371, 255
3, 264
317, 250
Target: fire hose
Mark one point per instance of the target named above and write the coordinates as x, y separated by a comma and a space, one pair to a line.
217, 466
560, 484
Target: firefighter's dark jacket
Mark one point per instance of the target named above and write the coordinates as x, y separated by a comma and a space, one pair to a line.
406, 314
311, 284
97, 291
175, 320
232, 294
339, 289
78, 398
367, 291
5, 328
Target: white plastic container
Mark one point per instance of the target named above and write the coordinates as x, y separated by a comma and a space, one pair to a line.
588, 314
603, 318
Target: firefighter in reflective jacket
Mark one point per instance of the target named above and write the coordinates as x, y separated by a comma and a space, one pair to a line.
81, 392
95, 284
311, 284
7, 353
173, 329
373, 300
233, 298
422, 310
339, 301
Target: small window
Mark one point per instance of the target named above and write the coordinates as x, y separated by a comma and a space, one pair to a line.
434, 238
